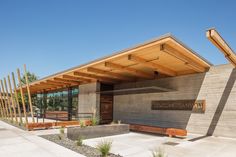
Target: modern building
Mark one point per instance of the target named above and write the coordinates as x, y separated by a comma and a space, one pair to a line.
158, 83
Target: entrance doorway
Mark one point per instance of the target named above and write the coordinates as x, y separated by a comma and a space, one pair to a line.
106, 104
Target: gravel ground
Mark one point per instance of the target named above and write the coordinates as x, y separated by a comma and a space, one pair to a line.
84, 149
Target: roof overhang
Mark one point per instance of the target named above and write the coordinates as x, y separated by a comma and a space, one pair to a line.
162, 57
222, 45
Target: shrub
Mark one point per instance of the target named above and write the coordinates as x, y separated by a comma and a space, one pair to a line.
158, 153
79, 141
94, 121
104, 147
62, 130
59, 137
62, 133
82, 123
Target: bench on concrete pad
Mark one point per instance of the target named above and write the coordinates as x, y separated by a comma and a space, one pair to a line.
158, 130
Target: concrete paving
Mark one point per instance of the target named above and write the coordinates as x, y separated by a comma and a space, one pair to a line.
18, 143
142, 145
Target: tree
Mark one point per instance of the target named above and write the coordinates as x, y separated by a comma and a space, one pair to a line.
31, 77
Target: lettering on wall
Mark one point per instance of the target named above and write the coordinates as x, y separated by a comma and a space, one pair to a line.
196, 106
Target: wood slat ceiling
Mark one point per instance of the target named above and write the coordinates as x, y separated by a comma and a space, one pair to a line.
162, 57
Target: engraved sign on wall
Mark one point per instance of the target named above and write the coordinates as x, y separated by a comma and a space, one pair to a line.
196, 106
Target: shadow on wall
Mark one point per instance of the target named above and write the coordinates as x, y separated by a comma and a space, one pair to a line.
133, 108
222, 102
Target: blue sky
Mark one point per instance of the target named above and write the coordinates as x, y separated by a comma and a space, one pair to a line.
54, 35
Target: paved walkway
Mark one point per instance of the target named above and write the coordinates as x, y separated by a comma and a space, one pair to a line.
18, 143
141, 145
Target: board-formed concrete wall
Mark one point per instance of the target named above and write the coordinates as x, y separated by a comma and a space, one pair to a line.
89, 99
217, 87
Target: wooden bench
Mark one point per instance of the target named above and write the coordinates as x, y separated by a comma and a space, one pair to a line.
58, 115
47, 125
158, 130
33, 126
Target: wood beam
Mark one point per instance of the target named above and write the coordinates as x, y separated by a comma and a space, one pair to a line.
8, 99
3, 99
12, 98
108, 73
97, 77
187, 61
152, 65
222, 45
16, 97
62, 83
50, 84
56, 83
2, 102
66, 81
75, 78
22, 96
130, 70
29, 94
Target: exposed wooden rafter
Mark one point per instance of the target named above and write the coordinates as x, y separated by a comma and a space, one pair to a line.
187, 61
108, 73
130, 70
66, 81
57, 83
97, 77
221, 44
152, 65
75, 78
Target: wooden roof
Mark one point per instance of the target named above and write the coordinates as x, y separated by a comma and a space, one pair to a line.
162, 57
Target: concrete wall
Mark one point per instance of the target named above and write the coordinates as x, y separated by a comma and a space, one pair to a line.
217, 87
89, 100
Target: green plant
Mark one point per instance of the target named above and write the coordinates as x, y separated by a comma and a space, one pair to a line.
79, 141
59, 137
104, 147
62, 130
158, 152
119, 121
82, 123
94, 121
62, 133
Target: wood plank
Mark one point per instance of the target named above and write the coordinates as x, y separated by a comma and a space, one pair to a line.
158, 130
152, 65
3, 100
49, 85
12, 99
22, 96
16, 97
75, 78
187, 61
222, 45
8, 99
61, 82
2, 108
97, 77
47, 125
49, 82
66, 80
108, 73
29, 94
128, 69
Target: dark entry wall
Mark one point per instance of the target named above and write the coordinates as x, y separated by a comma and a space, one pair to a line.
217, 87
